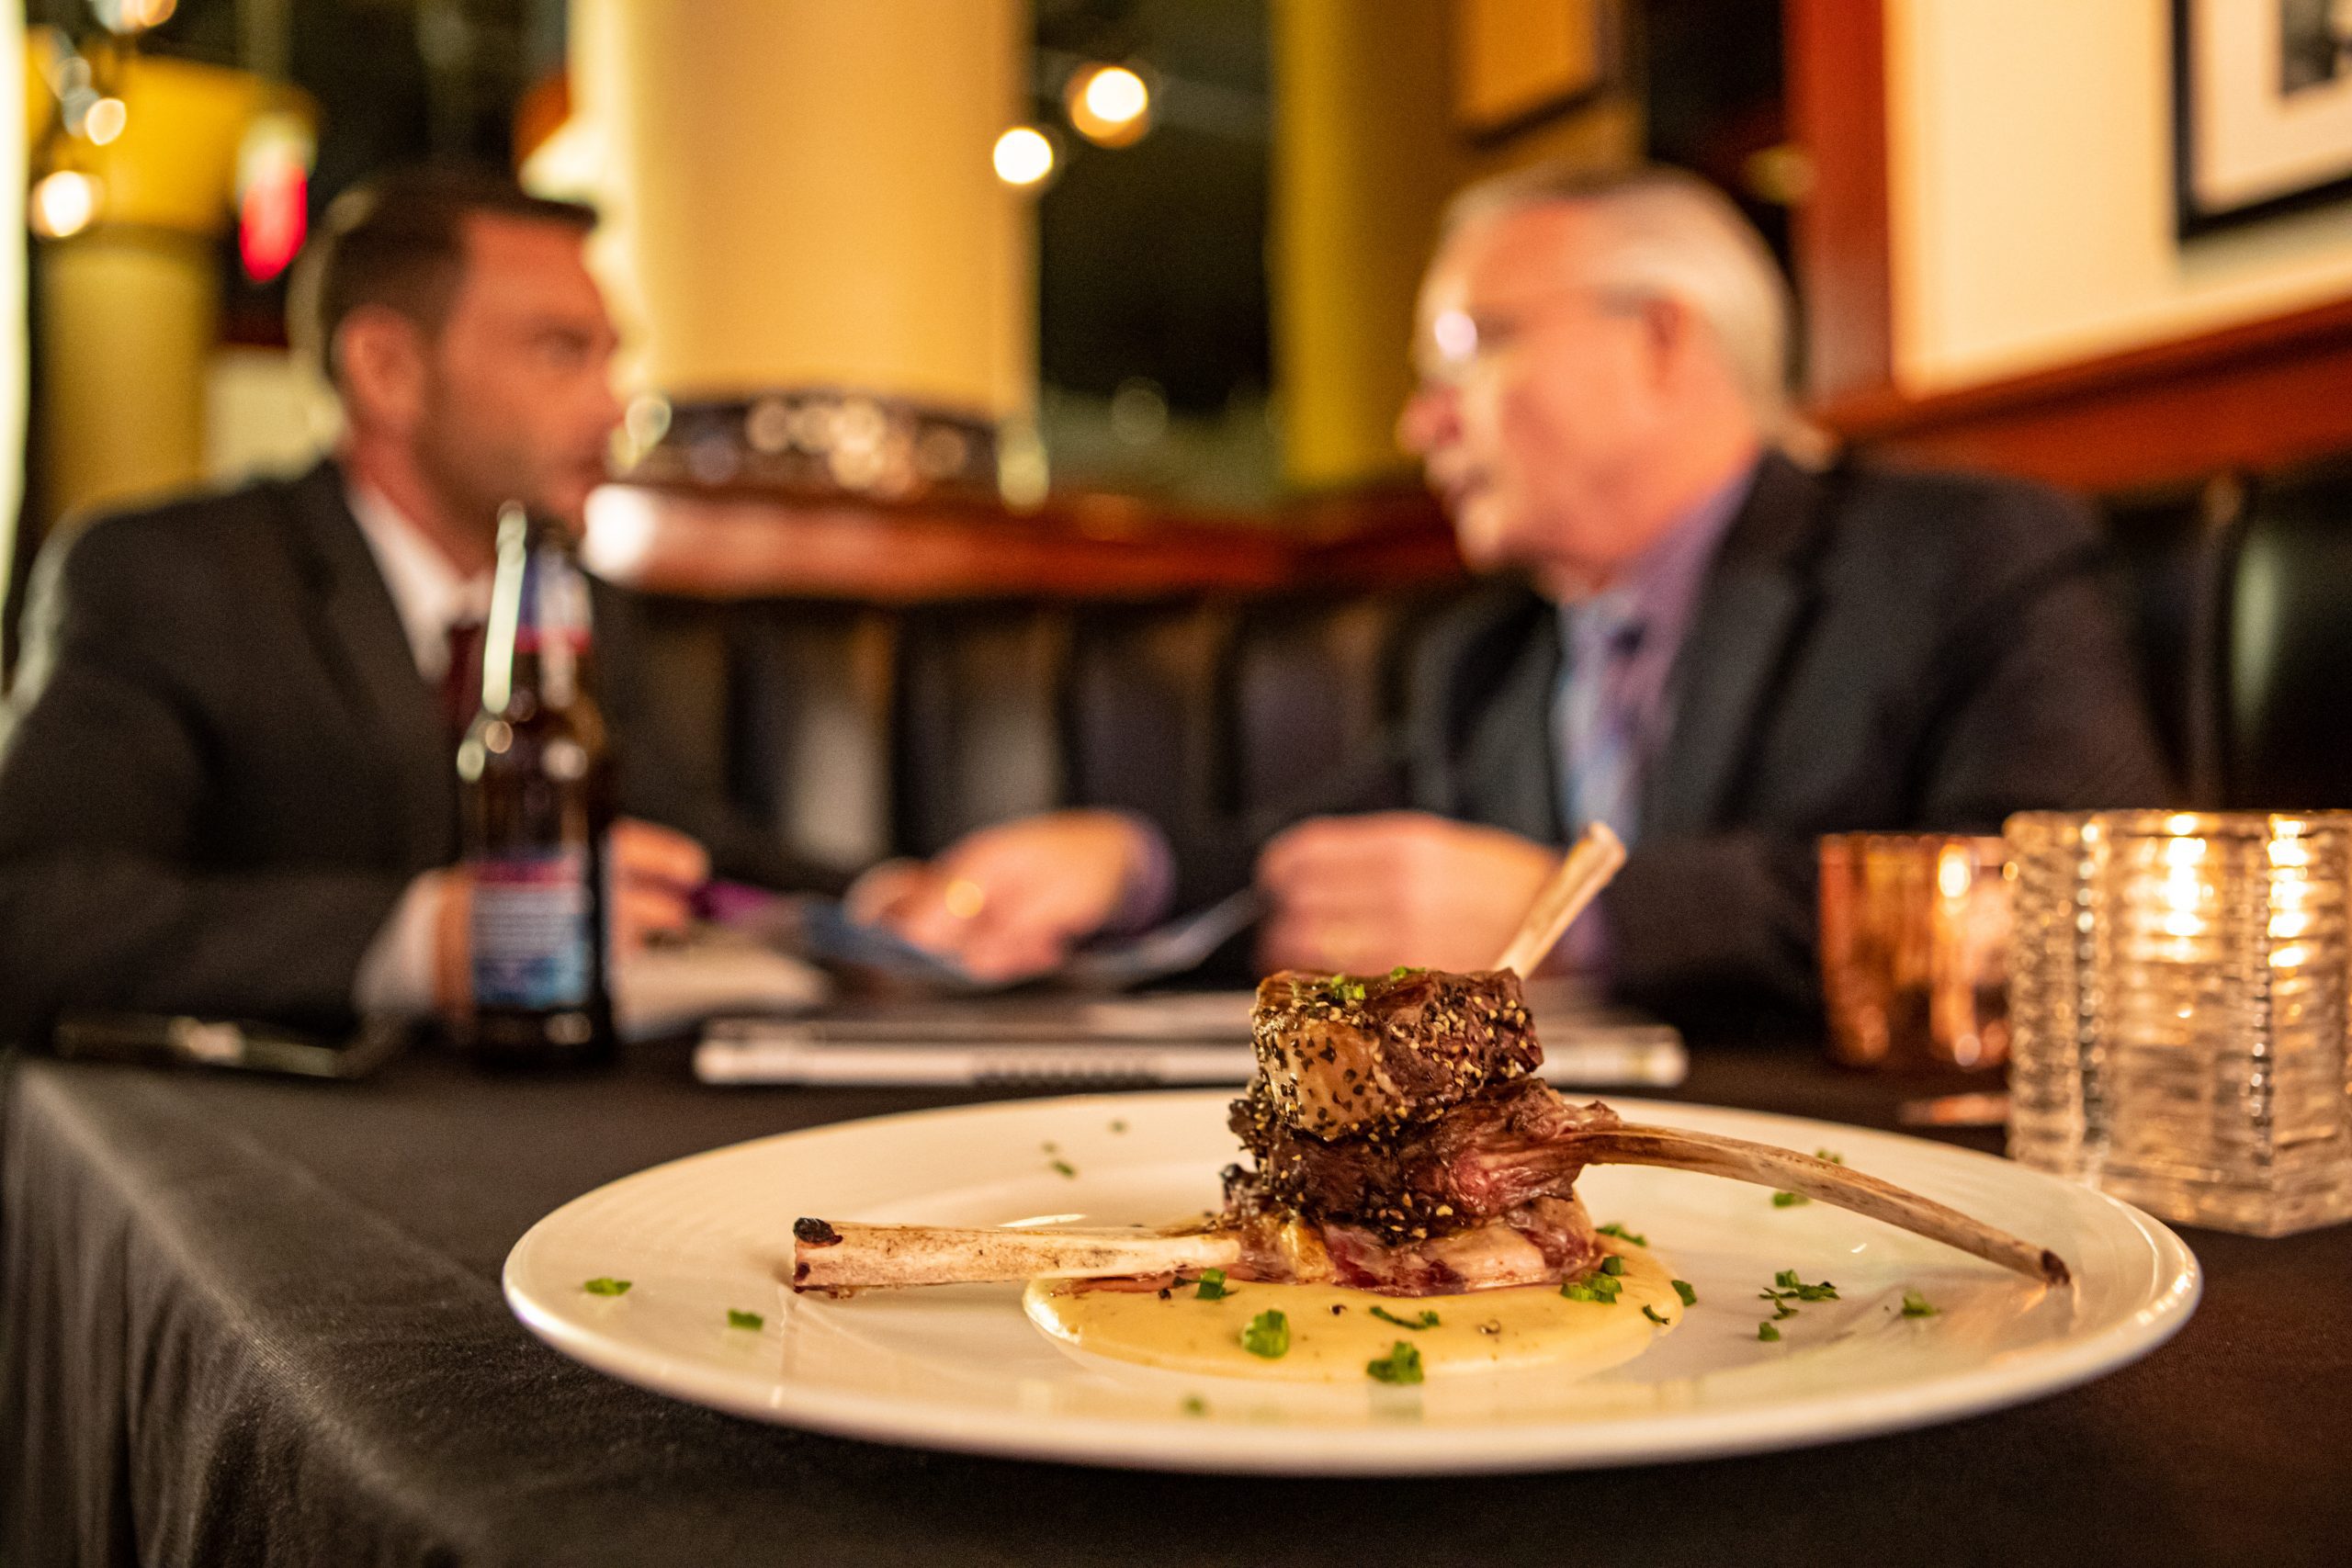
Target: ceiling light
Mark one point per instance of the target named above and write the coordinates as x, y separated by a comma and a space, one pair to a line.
1024, 156
63, 204
1109, 105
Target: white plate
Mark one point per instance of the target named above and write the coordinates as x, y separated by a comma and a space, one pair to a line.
961, 1368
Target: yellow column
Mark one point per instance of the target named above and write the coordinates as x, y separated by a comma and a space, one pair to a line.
129, 308
801, 198
1367, 149
1365, 154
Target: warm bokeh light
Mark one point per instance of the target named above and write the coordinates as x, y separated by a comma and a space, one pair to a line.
273, 193
1024, 156
273, 216
1955, 872
133, 16
63, 204
1109, 105
105, 119
1117, 94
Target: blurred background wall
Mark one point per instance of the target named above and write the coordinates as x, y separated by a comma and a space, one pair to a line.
2033, 152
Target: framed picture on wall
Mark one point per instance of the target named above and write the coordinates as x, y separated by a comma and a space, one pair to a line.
2261, 107
1518, 63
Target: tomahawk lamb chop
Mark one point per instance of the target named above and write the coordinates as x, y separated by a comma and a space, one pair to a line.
1400, 1144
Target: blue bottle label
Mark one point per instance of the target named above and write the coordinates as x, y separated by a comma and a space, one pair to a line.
532, 930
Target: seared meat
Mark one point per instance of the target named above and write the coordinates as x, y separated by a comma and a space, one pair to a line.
1409, 1181
1539, 1243
1340, 1053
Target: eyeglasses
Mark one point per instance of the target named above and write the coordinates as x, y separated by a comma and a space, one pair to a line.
1458, 338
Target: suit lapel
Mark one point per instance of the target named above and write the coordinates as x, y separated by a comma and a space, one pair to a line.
1755, 598
1505, 774
358, 633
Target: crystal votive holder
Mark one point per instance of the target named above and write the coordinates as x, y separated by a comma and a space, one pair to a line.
1914, 941
2178, 1011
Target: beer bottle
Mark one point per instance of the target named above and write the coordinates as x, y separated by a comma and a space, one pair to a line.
535, 783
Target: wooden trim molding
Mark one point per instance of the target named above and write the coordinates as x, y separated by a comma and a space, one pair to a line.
736, 545
2267, 395
1836, 87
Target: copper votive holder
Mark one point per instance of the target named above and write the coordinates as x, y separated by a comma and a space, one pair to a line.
1914, 932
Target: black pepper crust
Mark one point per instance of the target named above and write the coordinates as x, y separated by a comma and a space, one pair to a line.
1340, 1054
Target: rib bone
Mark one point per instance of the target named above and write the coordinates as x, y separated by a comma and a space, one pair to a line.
837, 1257
1833, 1184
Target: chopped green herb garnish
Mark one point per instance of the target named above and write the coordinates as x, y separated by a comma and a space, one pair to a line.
1195, 1405
737, 1318
1211, 1285
607, 1287
1118, 1127
1402, 1364
1402, 970
1427, 1319
1787, 1286
1593, 1287
1345, 990
1065, 1168
1916, 1305
1689, 1297
1268, 1335
1651, 1312
1621, 1233
1612, 1265
1766, 1332
1789, 1199
1832, 1156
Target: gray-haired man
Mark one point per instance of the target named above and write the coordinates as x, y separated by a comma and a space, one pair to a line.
1717, 651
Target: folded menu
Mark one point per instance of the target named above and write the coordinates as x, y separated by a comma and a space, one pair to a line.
668, 989
1175, 1037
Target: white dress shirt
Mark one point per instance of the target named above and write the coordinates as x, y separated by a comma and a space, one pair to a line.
428, 588
396, 974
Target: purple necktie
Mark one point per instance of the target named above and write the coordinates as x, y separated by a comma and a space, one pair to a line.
1595, 721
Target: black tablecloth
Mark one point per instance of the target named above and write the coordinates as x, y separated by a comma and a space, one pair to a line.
259, 1322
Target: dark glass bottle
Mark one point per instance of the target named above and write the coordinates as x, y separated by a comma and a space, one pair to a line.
535, 784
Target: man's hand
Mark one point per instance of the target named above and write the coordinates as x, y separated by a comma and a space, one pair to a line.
653, 873
1368, 893
1011, 901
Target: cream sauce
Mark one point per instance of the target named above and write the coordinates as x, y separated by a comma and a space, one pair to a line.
1524, 1326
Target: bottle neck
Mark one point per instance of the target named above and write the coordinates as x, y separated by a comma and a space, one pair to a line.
537, 637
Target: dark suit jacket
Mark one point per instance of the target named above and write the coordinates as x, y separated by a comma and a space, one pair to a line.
219, 766
1871, 651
